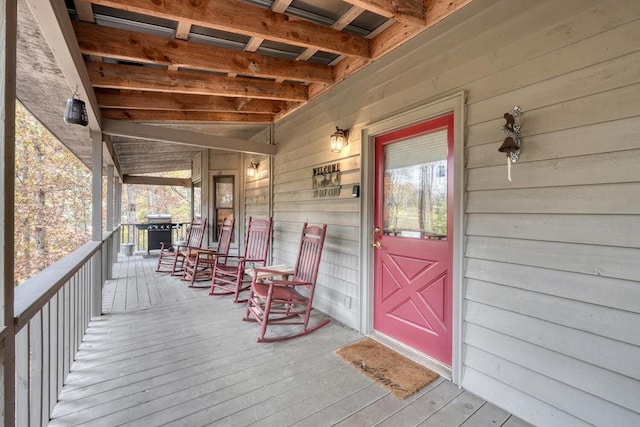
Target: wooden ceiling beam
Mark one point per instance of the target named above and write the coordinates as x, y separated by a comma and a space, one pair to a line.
253, 21
182, 30
156, 180
184, 116
156, 166
117, 76
348, 17
146, 48
125, 153
389, 39
184, 137
84, 11
278, 6
137, 100
399, 33
410, 12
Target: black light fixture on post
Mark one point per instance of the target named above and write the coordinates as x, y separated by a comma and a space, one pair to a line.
339, 140
252, 169
76, 111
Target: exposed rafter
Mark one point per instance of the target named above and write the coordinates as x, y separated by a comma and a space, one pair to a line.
145, 48
185, 116
410, 12
389, 39
137, 100
116, 76
237, 17
157, 180
206, 74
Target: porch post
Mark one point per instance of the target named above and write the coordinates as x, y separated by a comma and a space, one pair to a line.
117, 215
96, 222
110, 198
8, 29
110, 208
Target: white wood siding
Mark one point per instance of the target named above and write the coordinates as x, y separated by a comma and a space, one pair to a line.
256, 190
552, 279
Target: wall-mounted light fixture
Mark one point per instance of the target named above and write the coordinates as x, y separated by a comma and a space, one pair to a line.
512, 143
339, 140
75, 111
252, 169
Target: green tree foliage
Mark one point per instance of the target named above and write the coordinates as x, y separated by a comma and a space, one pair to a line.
52, 198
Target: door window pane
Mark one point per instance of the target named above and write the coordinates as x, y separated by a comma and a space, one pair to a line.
415, 187
223, 200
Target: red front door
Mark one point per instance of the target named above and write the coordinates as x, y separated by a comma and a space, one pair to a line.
413, 236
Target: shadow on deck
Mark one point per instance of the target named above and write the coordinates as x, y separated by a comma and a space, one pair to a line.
165, 354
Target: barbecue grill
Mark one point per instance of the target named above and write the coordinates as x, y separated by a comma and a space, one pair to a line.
159, 229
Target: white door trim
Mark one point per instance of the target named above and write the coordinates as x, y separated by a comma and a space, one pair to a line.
453, 103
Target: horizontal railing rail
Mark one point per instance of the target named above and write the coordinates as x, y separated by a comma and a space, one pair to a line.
52, 311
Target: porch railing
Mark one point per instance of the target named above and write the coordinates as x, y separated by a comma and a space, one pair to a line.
51, 312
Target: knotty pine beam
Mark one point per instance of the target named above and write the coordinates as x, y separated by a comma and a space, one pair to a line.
117, 76
137, 100
156, 180
146, 48
254, 21
410, 12
184, 116
399, 33
348, 17
182, 30
278, 6
385, 42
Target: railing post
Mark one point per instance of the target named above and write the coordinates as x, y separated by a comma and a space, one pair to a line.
96, 222
117, 218
8, 31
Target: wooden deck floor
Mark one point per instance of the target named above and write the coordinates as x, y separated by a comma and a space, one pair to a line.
165, 354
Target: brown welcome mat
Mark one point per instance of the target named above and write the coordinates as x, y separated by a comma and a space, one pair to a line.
401, 376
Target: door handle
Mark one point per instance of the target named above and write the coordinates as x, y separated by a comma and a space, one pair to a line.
376, 245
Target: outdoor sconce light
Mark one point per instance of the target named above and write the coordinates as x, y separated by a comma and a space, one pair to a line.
252, 169
75, 112
339, 140
512, 144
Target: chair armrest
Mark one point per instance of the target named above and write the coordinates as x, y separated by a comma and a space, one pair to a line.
201, 253
275, 270
287, 283
179, 248
203, 250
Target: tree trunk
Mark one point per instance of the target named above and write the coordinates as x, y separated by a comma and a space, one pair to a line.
40, 208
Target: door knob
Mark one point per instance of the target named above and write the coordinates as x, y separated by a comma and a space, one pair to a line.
376, 245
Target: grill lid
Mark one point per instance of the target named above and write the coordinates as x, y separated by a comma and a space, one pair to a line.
159, 218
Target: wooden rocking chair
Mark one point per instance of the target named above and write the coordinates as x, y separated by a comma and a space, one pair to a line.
199, 262
229, 271
172, 258
281, 302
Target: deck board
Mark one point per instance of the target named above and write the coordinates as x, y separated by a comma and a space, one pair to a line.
487, 415
167, 354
